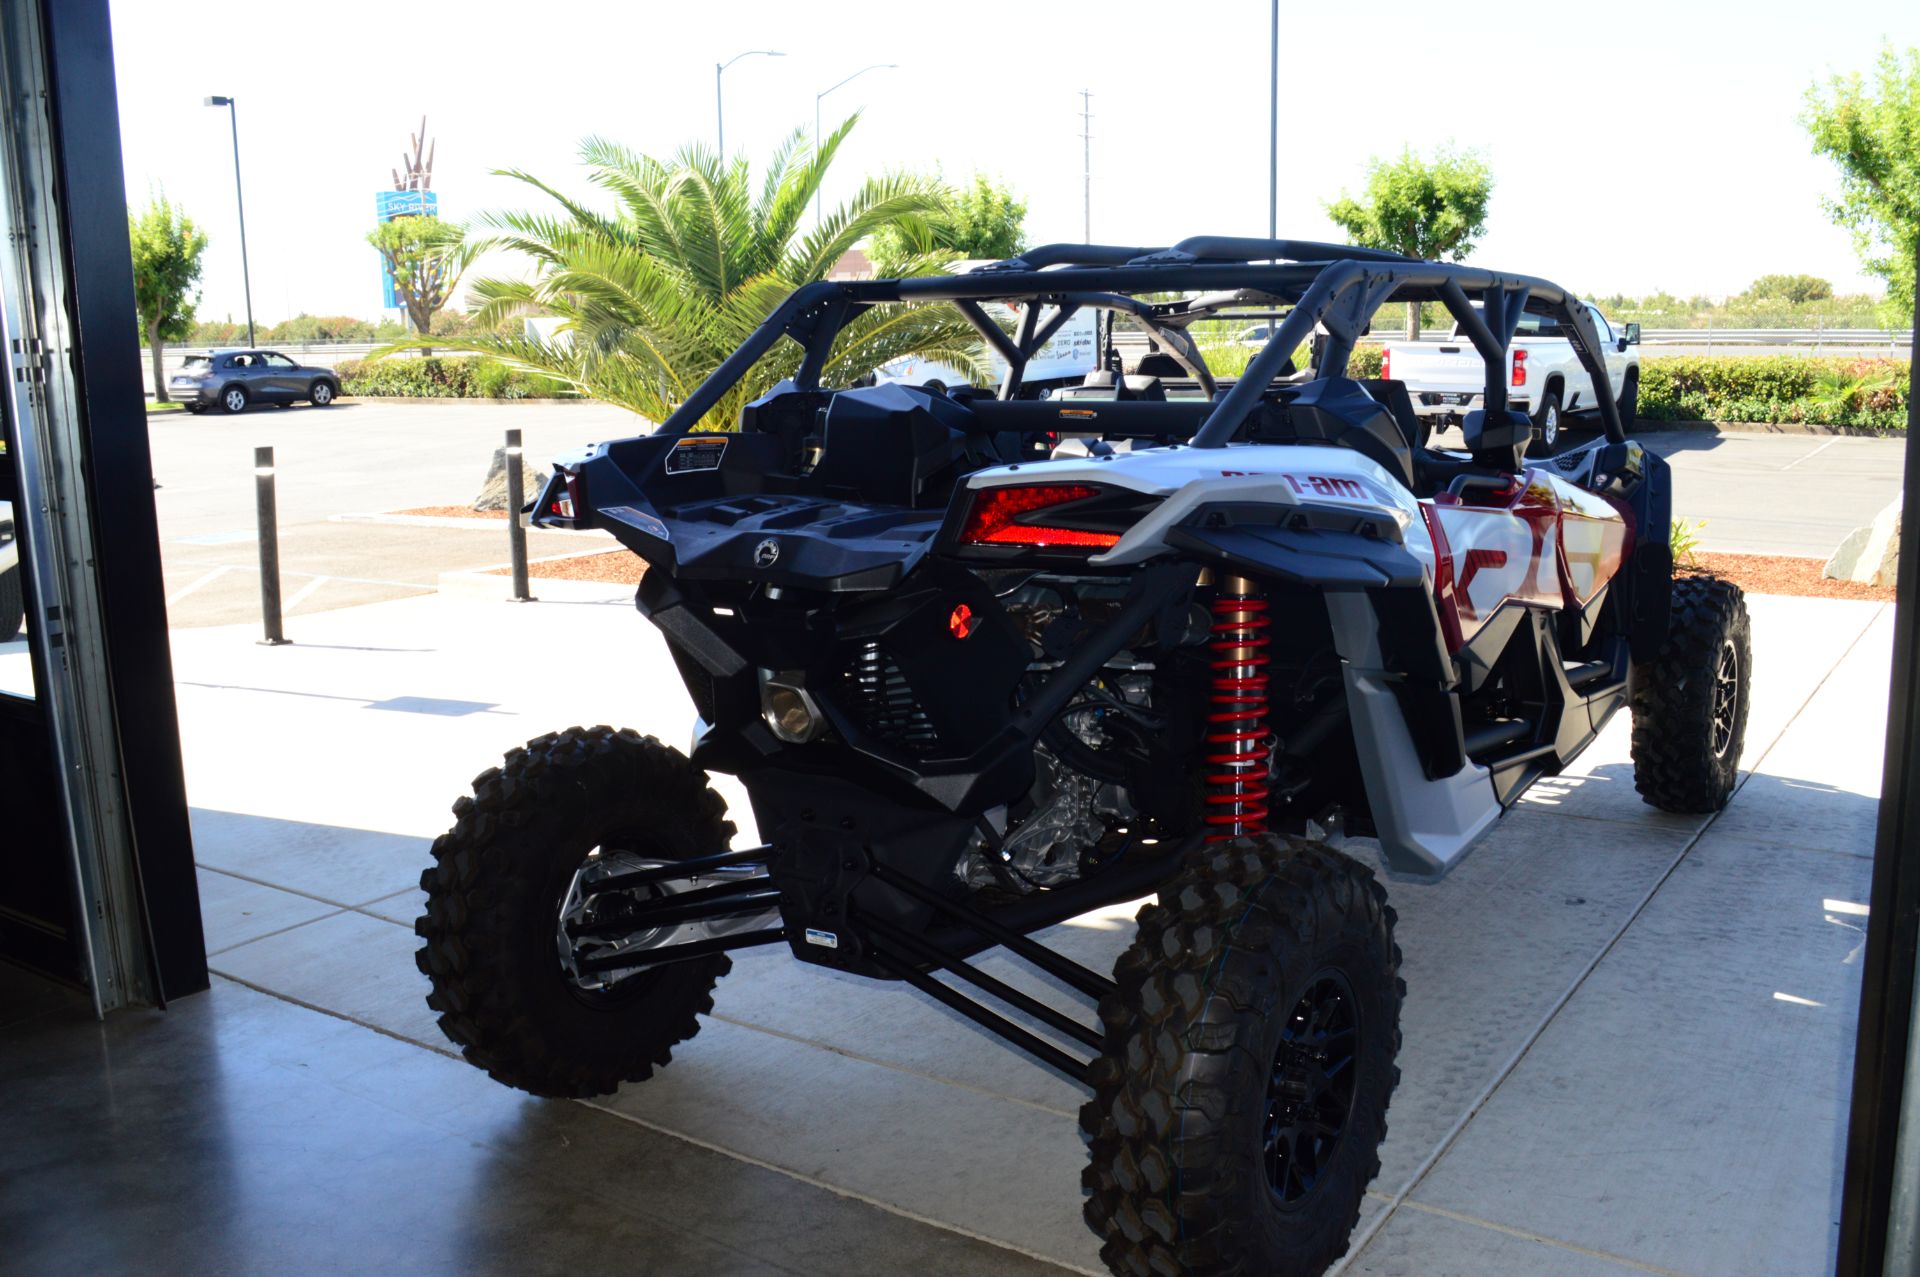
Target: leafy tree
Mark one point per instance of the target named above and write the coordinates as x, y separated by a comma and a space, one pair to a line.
1427, 210
426, 258
655, 294
306, 329
1790, 288
1873, 134
166, 265
982, 220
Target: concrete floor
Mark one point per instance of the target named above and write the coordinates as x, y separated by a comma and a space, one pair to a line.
1628, 1035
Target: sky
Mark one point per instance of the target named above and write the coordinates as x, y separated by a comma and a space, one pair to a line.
1635, 145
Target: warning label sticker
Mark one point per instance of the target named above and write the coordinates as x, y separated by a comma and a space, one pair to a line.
695, 453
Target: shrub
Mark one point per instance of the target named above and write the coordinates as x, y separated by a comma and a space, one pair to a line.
1870, 393
435, 377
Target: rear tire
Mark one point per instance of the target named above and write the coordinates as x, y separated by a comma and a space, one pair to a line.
1629, 407
1690, 702
13, 605
1546, 426
494, 894
1241, 1097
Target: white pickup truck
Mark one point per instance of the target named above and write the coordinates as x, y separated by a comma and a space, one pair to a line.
1544, 378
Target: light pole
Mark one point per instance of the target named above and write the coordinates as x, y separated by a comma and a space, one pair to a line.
233, 118
719, 110
817, 99
1273, 138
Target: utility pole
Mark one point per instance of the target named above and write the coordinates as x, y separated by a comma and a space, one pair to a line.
1086, 159
1273, 129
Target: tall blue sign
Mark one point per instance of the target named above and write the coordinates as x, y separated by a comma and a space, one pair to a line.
388, 205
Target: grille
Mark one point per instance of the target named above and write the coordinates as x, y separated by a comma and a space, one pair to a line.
879, 698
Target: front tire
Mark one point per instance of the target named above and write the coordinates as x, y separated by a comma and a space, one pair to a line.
234, 399
499, 883
1241, 1097
321, 395
1546, 426
1690, 702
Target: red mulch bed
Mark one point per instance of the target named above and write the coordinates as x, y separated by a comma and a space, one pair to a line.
1785, 574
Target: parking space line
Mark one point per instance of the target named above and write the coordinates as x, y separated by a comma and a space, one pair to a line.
1816, 452
198, 584
305, 592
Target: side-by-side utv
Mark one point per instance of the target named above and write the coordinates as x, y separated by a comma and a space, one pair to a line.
985, 660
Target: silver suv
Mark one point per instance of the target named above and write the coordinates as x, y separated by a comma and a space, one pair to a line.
232, 379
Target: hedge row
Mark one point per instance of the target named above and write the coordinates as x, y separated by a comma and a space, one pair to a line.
435, 377
1870, 393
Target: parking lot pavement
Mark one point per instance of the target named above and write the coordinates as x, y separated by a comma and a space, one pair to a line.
1780, 494
1610, 1010
1771, 493
352, 458
1767, 494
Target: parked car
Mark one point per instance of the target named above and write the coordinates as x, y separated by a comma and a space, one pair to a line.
1544, 376
231, 379
13, 611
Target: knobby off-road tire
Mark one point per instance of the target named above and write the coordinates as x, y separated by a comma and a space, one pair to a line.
1262, 952
1690, 702
493, 905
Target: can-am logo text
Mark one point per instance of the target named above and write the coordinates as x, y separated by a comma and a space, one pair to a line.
767, 553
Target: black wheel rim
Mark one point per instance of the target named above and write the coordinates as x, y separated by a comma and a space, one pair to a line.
1726, 698
1311, 1089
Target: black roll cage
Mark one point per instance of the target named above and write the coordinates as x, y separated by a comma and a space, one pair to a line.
1333, 286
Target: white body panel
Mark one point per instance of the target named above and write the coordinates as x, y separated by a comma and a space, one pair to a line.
1277, 474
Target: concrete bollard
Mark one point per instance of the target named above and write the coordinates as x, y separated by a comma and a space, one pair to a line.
516, 530
266, 511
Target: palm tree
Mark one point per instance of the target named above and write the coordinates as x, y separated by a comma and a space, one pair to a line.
654, 296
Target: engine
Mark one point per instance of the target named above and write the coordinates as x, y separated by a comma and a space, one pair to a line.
1086, 807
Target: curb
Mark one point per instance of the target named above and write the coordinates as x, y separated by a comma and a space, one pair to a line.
1644, 427
482, 585
474, 402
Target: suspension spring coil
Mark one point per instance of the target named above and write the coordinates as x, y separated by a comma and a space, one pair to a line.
1237, 744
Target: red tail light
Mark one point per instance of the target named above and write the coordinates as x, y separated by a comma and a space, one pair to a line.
1519, 367
1386, 364
995, 517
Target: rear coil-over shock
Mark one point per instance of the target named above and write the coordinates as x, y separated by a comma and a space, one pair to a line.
1237, 737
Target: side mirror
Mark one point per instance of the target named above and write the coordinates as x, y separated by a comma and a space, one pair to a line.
1633, 335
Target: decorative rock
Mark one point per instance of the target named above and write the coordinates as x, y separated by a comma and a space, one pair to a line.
1870, 554
493, 493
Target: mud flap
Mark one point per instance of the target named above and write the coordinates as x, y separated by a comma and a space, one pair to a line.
1424, 826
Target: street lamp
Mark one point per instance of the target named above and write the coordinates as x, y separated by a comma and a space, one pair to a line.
719, 111
1273, 134
233, 114
878, 66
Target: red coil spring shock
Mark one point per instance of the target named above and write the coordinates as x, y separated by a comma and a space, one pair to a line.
1237, 735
